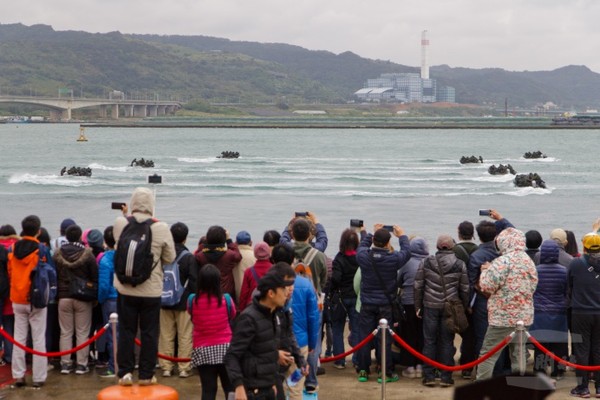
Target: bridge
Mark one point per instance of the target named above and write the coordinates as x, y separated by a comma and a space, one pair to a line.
61, 107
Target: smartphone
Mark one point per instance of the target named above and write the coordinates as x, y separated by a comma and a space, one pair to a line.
154, 179
301, 214
356, 223
117, 206
484, 213
389, 228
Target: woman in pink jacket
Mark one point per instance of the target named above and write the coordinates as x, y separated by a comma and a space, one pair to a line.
211, 314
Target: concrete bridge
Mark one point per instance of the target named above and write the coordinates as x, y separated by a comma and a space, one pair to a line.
61, 107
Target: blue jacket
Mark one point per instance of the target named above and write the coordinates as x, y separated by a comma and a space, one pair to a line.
320, 242
551, 292
387, 263
106, 269
305, 313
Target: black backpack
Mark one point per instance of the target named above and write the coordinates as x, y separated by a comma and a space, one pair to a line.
134, 260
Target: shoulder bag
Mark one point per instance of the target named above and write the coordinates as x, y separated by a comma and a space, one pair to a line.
454, 311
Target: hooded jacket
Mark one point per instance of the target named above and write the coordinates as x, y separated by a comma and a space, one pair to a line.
429, 289
74, 259
406, 276
551, 293
318, 265
22, 260
225, 259
584, 284
163, 249
511, 280
564, 258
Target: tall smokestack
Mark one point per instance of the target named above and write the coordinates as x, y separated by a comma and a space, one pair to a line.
424, 60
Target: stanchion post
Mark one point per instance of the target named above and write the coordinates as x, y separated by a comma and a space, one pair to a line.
113, 319
521, 334
383, 328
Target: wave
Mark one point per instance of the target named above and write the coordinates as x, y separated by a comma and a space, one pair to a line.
494, 178
107, 168
73, 181
197, 160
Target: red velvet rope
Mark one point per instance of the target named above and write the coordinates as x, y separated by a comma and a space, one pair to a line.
366, 340
56, 353
165, 357
436, 364
560, 360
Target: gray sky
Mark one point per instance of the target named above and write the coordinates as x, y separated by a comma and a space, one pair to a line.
511, 34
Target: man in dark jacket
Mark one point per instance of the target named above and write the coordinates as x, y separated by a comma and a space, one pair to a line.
175, 321
377, 291
252, 357
440, 278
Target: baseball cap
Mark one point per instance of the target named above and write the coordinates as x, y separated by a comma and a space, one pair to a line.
272, 281
445, 242
243, 237
559, 235
67, 222
591, 242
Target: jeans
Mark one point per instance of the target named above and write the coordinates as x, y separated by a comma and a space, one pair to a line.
144, 311
438, 343
109, 307
369, 320
338, 323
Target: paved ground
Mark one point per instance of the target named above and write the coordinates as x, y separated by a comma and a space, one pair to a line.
335, 384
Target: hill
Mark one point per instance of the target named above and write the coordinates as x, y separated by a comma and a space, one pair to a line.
39, 60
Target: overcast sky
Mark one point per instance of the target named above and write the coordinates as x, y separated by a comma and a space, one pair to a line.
511, 34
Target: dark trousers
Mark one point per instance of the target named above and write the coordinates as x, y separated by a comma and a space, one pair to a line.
438, 343
145, 312
467, 346
411, 331
346, 308
208, 379
586, 344
368, 320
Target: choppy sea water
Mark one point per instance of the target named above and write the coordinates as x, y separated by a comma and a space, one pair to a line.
408, 177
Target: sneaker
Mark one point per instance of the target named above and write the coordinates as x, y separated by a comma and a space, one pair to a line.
363, 376
580, 391
466, 374
65, 369
2, 362
82, 370
429, 382
339, 366
185, 373
598, 392
20, 382
148, 382
37, 385
126, 380
167, 373
409, 372
310, 389
108, 374
447, 382
320, 371
419, 371
389, 378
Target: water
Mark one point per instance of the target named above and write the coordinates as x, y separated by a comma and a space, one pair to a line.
407, 177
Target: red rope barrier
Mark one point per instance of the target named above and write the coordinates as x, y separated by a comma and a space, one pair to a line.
165, 357
366, 340
55, 353
436, 364
560, 360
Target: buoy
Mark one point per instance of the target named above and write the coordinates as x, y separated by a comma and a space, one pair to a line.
82, 137
137, 392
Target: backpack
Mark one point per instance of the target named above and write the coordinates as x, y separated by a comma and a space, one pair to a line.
43, 282
192, 298
302, 267
4, 283
172, 288
134, 260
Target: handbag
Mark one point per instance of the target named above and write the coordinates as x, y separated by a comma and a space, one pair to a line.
398, 312
82, 289
455, 317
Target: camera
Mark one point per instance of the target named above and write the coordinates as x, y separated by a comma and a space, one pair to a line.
484, 213
356, 223
117, 206
154, 179
389, 228
301, 214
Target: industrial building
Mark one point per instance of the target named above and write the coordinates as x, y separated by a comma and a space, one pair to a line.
407, 87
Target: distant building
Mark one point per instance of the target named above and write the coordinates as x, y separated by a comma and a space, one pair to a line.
404, 88
446, 94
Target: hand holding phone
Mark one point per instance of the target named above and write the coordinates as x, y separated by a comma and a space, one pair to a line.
115, 205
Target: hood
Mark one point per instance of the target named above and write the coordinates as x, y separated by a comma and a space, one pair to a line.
510, 240
419, 247
446, 259
549, 252
300, 248
142, 201
73, 255
23, 248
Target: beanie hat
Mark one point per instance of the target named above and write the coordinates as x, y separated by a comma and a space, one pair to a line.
445, 242
262, 251
591, 242
95, 238
243, 237
559, 235
67, 222
381, 237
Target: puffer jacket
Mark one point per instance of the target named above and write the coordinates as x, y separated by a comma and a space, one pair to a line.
225, 259
511, 281
387, 263
251, 358
583, 284
106, 275
406, 276
551, 293
429, 290
163, 249
74, 259
564, 258
306, 313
